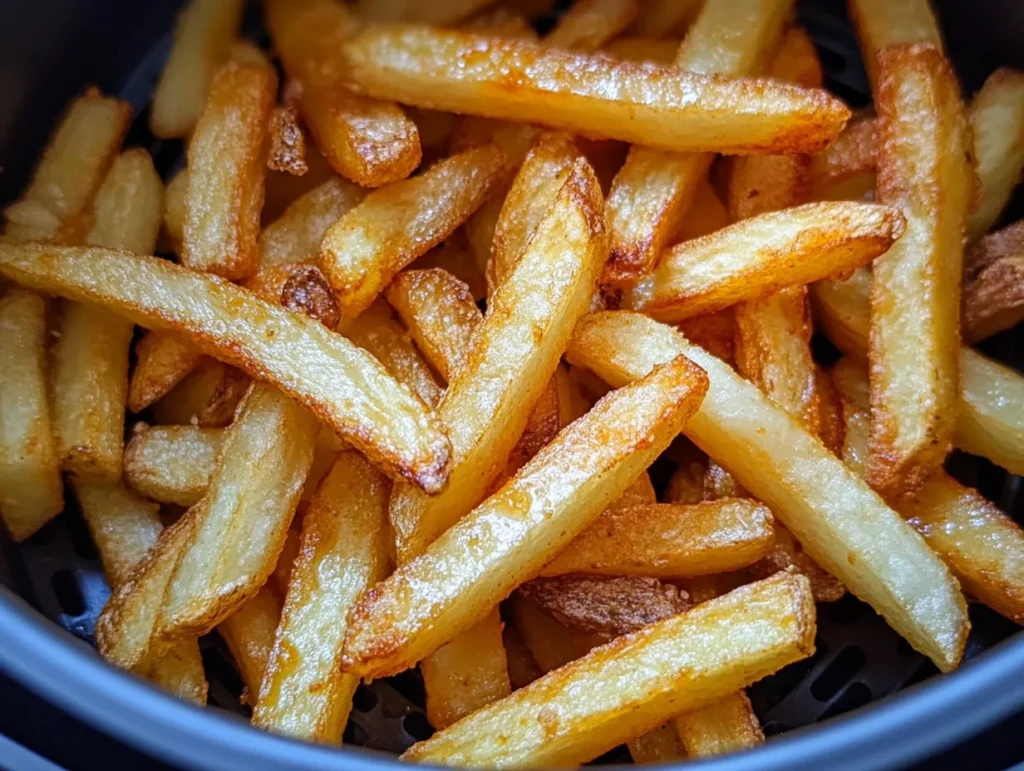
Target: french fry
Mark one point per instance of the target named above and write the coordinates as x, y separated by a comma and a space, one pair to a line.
832, 513
298, 287
249, 634
305, 694
290, 553
282, 189
90, 359
597, 95
605, 605
643, 49
830, 412
522, 669
725, 725
370, 142
176, 210
287, 142
654, 189
756, 630
666, 17
31, 492
551, 643
669, 541
208, 397
447, 12
202, 38
515, 532
589, 24
662, 745
124, 528
489, 400
924, 170
572, 404
172, 464
458, 259
500, 20
762, 255
686, 485
719, 484
787, 554
226, 170
884, 23
369, 245
162, 360
714, 332
347, 388
993, 276
854, 154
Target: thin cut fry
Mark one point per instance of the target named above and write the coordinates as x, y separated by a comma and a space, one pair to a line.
833, 514
370, 142
764, 254
346, 387
720, 727
570, 716
202, 37
884, 23
172, 464
993, 281
393, 226
507, 539
924, 170
249, 634
589, 24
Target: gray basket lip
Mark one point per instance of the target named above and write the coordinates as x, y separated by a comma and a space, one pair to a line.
905, 727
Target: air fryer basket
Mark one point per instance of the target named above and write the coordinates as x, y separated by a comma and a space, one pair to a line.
47, 52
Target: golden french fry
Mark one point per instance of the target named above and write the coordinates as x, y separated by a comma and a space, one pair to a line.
175, 211
457, 259
510, 22
448, 12
249, 634
208, 397
304, 692
830, 411
669, 540
665, 17
226, 171
686, 485
852, 155
719, 484
347, 389
290, 552
884, 23
162, 360
993, 280
835, 516
589, 24
368, 141
643, 49
172, 464
756, 630
298, 287
725, 725
551, 643
662, 745
714, 332
514, 353
654, 189
522, 669
514, 533
202, 38
787, 554
369, 245
282, 189
287, 142
764, 254
643, 103
31, 492
924, 170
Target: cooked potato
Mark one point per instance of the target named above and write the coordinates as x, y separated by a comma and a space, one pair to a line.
456, 257
162, 360
208, 397
589, 24
662, 745
249, 634
884, 23
993, 282
666, 17
725, 725
172, 464
287, 142
854, 154
643, 49
447, 12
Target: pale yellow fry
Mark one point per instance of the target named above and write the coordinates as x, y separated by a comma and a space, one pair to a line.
31, 492
128, 206
833, 514
997, 125
208, 397
162, 360
854, 153
924, 170
369, 245
176, 209
202, 38
340, 383
172, 464
764, 254
723, 726
884, 23
477, 562
589, 24
447, 12
643, 49
659, 18
993, 299
456, 257
666, 668
662, 745
249, 633
342, 554
290, 553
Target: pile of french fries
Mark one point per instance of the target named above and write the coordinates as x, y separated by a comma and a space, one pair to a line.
431, 295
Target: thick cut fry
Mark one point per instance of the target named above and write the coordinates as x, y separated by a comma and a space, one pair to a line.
287, 142
662, 745
550, 642
202, 37
448, 12
298, 287
124, 528
764, 254
598, 95
924, 170
714, 332
163, 359
376, 331
226, 170
342, 385
723, 726
367, 247
830, 411
787, 554
669, 540
458, 259
997, 126
604, 605
172, 464
241, 522
835, 516
296, 235
370, 142
654, 189
994, 283
282, 189
175, 211
208, 397
31, 492
290, 553
589, 24
512, 535
249, 633
570, 716
885, 23
659, 18
343, 553
643, 49
686, 485
854, 153
514, 353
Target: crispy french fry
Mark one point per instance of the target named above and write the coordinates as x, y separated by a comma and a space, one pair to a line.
458, 259
605, 605
997, 125
654, 189
787, 554
202, 38
176, 210
643, 49
550, 642
924, 170
172, 464
304, 692
515, 532
249, 633
298, 287
993, 279
163, 359
208, 397
287, 142
643, 103
290, 553
853, 154
589, 24
370, 142
725, 725
885, 23
756, 630
686, 485
282, 189
368, 246
448, 12
764, 254
719, 484
714, 332
835, 516
662, 745
347, 388
830, 411
572, 404
31, 492
510, 22
669, 540
705, 215
226, 170
489, 400
666, 17
522, 669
